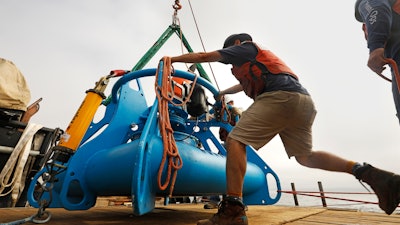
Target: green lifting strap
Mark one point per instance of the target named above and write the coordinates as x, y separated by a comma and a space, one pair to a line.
160, 42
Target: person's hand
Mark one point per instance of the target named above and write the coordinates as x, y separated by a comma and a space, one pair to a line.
218, 97
376, 61
364, 28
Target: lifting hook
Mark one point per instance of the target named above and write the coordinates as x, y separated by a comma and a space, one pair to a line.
177, 5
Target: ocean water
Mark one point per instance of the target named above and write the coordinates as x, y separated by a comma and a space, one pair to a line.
355, 201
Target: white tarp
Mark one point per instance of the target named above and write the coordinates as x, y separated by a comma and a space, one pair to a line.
14, 91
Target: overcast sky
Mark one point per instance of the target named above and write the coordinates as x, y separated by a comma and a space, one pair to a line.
64, 47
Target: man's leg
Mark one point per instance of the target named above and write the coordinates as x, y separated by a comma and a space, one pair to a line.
236, 163
326, 161
232, 210
386, 185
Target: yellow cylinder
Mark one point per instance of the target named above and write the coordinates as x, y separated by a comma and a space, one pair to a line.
81, 121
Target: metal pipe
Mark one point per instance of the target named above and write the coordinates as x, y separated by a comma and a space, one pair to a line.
9, 150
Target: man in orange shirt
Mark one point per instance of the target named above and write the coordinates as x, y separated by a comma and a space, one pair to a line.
282, 106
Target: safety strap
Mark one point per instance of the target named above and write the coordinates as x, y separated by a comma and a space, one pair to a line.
261, 66
16, 163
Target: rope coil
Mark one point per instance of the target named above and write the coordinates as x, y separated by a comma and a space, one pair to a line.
170, 151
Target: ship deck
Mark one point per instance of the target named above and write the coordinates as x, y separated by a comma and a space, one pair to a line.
184, 214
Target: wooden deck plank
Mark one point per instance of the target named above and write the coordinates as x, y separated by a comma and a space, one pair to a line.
185, 214
333, 217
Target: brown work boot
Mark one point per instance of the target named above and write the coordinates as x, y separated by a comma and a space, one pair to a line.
386, 186
211, 205
231, 211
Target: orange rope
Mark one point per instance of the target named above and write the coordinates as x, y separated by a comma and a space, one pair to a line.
393, 64
325, 192
343, 199
170, 152
313, 194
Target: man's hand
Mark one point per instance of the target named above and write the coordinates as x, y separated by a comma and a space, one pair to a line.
218, 97
364, 28
376, 61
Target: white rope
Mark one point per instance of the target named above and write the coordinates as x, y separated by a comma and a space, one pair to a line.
16, 163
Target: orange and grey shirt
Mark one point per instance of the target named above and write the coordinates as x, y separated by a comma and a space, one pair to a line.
251, 63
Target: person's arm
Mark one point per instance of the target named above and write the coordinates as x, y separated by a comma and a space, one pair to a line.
377, 61
378, 19
377, 16
199, 57
232, 90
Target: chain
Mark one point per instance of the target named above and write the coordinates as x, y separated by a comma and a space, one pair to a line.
60, 155
177, 6
54, 166
43, 216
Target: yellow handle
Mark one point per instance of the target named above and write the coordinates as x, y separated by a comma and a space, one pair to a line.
81, 121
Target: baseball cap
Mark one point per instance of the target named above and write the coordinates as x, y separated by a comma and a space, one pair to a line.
356, 12
229, 41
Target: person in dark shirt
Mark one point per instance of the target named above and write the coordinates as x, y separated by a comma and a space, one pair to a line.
234, 115
282, 106
381, 26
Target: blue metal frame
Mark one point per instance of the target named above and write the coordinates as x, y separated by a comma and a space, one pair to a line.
121, 153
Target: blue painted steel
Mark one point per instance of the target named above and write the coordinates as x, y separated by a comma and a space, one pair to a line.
120, 155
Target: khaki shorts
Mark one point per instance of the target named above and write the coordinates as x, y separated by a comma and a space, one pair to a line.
289, 114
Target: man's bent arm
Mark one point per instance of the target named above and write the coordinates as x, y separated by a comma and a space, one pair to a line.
232, 90
199, 57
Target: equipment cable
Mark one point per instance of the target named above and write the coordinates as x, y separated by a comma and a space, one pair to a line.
202, 43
